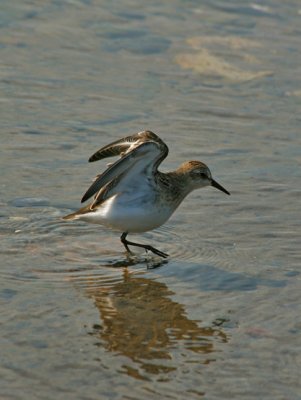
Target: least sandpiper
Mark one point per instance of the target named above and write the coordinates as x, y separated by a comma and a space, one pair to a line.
131, 195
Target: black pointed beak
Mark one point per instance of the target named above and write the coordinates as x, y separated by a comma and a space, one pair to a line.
218, 186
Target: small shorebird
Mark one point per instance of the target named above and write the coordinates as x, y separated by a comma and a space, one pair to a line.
131, 195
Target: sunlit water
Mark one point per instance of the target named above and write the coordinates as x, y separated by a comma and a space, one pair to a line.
219, 82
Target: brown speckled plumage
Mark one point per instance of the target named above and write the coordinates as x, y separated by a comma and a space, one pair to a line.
132, 195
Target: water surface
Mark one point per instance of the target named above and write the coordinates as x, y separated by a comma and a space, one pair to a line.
219, 82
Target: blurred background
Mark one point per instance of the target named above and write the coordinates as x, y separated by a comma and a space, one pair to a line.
218, 81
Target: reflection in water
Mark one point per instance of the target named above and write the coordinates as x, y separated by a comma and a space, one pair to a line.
139, 320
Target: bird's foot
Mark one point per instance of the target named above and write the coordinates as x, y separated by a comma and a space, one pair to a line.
155, 251
147, 247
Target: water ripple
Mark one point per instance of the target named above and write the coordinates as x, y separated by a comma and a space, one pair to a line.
191, 246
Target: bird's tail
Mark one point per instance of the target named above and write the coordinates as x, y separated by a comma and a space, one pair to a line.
70, 216
77, 214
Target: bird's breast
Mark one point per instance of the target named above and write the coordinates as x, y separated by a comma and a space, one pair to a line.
139, 213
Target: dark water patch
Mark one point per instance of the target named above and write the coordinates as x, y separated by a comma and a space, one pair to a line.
30, 202
125, 34
211, 278
34, 132
7, 294
142, 44
292, 273
31, 14
117, 120
129, 15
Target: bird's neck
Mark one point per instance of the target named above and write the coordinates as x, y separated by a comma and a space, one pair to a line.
174, 185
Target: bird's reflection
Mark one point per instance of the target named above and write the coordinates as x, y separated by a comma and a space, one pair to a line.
140, 320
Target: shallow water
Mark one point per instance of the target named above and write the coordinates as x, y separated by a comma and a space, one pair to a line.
219, 82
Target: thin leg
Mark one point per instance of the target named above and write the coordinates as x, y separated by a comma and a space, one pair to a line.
126, 244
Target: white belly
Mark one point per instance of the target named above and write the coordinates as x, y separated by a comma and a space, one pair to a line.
129, 215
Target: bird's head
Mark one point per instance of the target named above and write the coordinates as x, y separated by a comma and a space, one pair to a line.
199, 175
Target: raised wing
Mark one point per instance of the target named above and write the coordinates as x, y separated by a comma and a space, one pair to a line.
143, 150
117, 148
122, 146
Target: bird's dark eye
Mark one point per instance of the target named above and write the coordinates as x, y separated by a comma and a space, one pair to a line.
203, 175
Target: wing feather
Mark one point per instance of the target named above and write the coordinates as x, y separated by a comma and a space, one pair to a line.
112, 172
113, 149
124, 145
144, 148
